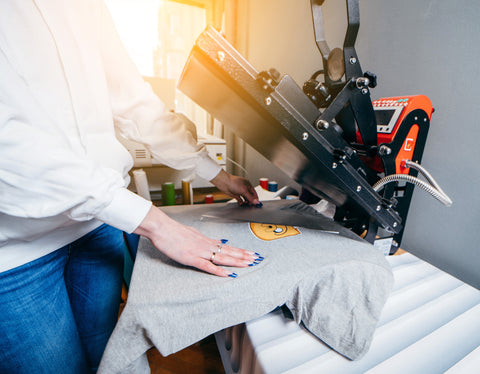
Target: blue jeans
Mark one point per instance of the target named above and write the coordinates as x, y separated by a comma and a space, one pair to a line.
57, 312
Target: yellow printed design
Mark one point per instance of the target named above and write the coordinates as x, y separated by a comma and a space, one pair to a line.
267, 231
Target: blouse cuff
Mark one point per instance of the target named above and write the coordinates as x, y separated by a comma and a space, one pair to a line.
207, 168
126, 210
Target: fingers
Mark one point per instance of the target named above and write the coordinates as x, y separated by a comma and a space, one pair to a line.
226, 260
252, 196
209, 267
239, 199
238, 187
248, 195
253, 192
224, 255
223, 260
237, 253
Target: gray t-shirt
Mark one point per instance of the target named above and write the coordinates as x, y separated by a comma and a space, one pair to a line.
335, 286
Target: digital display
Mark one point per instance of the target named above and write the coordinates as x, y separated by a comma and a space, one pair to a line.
384, 116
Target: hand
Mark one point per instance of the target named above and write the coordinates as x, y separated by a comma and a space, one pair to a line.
236, 187
188, 246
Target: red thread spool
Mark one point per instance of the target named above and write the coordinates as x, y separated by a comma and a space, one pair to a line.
264, 183
209, 199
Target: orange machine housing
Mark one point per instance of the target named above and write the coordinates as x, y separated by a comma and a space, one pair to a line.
390, 113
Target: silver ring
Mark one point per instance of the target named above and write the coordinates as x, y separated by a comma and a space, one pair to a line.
219, 246
212, 257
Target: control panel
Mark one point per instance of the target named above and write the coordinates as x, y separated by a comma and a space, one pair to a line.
391, 111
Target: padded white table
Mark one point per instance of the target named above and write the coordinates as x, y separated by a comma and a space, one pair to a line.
430, 324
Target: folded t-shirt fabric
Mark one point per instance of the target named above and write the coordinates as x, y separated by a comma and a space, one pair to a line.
334, 285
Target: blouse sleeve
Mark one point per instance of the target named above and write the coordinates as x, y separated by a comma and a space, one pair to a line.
140, 115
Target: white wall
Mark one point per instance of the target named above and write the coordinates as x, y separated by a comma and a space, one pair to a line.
415, 47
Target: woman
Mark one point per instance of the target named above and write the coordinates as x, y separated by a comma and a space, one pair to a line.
66, 84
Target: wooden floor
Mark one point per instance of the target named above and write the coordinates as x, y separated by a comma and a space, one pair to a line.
200, 358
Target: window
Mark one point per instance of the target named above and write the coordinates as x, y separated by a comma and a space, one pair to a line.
158, 35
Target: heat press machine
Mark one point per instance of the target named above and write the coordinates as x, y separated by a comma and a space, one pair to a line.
329, 136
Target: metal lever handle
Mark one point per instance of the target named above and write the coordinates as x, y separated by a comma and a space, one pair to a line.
352, 66
318, 28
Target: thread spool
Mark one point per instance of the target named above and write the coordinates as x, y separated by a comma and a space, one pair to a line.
264, 183
187, 193
208, 199
272, 186
168, 193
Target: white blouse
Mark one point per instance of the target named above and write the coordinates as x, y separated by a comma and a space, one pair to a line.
66, 83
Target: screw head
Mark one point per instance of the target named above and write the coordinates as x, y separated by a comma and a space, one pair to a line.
334, 165
220, 56
353, 60
268, 100
384, 150
364, 91
378, 208
359, 188
322, 124
305, 136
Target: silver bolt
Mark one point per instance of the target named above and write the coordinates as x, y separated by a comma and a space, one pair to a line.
424, 120
395, 224
220, 56
359, 188
334, 165
364, 91
353, 60
416, 118
362, 82
305, 136
394, 243
384, 150
322, 124
378, 208
268, 100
